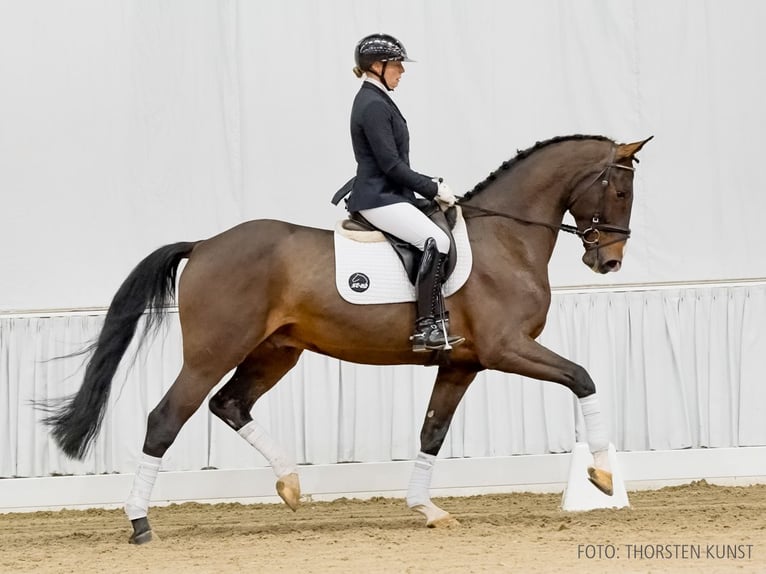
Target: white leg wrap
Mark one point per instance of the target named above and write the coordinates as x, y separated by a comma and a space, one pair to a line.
601, 460
420, 482
279, 460
137, 504
418, 496
598, 440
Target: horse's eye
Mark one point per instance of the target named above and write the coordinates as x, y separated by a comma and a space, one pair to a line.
621, 194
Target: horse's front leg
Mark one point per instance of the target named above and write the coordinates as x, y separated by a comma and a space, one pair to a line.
449, 388
529, 358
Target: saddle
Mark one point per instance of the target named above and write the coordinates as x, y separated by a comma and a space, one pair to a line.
410, 255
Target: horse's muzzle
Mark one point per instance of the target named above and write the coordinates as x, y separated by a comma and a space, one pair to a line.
603, 261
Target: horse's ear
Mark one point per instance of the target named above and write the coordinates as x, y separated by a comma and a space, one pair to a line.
628, 151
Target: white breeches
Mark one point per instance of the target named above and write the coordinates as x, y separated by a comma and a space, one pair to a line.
408, 223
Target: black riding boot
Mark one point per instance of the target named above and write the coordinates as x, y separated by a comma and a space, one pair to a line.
432, 322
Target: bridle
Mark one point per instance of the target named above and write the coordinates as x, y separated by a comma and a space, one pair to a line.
591, 236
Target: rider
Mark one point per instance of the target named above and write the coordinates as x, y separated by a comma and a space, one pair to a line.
383, 189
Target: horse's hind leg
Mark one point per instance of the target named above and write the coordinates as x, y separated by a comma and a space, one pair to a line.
449, 388
163, 424
233, 402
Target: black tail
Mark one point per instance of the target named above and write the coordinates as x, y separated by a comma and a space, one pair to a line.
76, 420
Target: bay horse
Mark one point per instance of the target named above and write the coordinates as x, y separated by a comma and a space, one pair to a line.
254, 297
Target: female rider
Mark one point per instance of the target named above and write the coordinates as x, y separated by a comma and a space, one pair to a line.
383, 190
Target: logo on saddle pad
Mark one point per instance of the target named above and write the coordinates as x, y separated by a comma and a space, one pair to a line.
368, 271
359, 282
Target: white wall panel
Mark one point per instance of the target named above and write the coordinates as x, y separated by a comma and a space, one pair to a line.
666, 379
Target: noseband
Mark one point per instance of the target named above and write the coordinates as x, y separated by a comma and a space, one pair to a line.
591, 236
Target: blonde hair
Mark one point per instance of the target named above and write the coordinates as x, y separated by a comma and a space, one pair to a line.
358, 71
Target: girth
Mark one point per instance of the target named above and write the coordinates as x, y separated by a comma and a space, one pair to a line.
410, 255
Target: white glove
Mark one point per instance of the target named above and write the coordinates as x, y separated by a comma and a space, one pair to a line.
444, 193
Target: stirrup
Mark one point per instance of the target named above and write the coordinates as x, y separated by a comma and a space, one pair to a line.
432, 336
418, 343
418, 338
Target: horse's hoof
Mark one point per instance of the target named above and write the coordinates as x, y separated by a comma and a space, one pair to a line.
289, 490
601, 479
142, 532
444, 522
435, 516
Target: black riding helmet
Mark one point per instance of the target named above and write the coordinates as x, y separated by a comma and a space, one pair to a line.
378, 48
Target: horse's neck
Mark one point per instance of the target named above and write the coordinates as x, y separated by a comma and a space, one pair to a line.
533, 196
527, 193
538, 188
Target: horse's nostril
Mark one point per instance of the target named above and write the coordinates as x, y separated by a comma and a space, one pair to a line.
612, 265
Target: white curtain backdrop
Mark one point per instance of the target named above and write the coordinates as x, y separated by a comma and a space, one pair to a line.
130, 124
675, 368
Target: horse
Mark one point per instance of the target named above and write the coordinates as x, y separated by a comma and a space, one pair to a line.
253, 298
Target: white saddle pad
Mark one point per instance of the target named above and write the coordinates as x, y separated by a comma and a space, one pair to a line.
368, 270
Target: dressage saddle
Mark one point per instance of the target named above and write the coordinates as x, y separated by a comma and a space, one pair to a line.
410, 255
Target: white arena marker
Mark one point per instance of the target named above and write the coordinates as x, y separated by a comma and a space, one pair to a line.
580, 494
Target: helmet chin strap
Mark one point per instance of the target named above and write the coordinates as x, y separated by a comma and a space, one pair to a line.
382, 75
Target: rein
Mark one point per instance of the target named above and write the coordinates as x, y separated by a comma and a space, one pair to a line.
592, 235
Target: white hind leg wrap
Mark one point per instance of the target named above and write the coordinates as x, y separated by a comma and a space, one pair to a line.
280, 461
137, 504
420, 482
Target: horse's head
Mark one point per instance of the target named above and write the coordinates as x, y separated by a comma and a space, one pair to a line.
601, 206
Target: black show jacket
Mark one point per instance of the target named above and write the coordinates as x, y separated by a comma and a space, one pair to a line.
381, 143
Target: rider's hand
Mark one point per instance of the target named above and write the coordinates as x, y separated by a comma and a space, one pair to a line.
444, 193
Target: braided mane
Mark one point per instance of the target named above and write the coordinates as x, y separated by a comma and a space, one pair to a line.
522, 154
